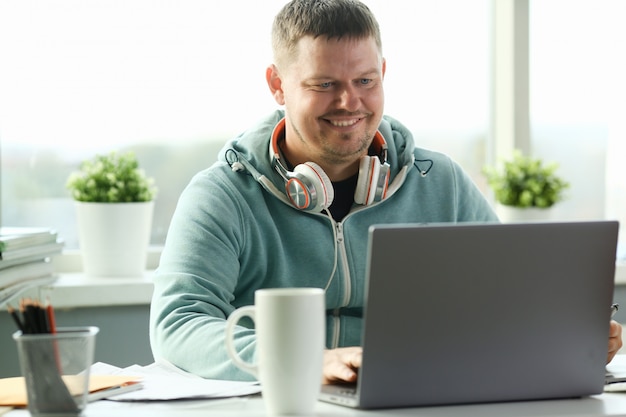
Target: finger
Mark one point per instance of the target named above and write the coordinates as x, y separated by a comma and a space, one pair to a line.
348, 374
615, 340
337, 373
340, 371
355, 358
615, 329
341, 364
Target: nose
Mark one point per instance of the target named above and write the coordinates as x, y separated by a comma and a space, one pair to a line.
349, 98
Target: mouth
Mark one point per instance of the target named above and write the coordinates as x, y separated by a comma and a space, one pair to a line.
344, 122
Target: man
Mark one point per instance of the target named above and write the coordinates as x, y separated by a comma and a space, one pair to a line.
290, 201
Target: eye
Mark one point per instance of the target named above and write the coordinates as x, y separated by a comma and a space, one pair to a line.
326, 84
365, 81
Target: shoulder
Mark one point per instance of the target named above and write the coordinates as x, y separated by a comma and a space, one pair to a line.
433, 162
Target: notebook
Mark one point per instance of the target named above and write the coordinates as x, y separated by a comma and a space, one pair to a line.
477, 313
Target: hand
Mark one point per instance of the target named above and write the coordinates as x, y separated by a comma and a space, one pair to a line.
615, 339
341, 364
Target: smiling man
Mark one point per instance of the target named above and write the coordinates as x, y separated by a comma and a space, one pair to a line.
290, 200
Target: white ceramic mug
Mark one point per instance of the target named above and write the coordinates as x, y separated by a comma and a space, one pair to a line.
290, 332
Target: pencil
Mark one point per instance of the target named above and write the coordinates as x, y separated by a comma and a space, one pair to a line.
32, 316
52, 329
16, 318
52, 325
28, 325
42, 318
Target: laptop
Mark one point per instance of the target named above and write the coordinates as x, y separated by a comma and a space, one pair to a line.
477, 313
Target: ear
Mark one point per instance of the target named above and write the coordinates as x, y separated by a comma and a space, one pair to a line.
384, 67
275, 84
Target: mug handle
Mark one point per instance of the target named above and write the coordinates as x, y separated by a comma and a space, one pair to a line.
231, 322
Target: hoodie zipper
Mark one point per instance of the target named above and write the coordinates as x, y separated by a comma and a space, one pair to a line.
341, 247
343, 263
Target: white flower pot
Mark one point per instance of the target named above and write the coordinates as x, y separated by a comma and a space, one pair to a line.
509, 214
114, 237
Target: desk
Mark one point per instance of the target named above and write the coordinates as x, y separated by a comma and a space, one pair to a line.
607, 404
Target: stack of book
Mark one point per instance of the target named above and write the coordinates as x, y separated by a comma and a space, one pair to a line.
25, 258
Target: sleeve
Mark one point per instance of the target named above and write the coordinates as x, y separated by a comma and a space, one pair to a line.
195, 284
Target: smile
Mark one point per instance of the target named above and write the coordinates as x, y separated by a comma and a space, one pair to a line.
344, 123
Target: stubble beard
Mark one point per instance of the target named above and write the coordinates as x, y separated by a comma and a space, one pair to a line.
333, 154
336, 155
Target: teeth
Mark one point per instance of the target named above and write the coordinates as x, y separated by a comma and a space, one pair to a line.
343, 123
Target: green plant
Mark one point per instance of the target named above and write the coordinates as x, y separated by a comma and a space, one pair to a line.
112, 178
526, 182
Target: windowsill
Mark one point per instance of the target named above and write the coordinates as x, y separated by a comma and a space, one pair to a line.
75, 289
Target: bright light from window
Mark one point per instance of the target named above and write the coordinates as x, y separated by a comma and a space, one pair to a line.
175, 79
85, 72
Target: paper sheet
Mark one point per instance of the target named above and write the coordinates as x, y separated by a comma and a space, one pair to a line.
163, 381
13, 390
160, 381
617, 371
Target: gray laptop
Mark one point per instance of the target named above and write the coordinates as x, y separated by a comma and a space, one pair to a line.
475, 313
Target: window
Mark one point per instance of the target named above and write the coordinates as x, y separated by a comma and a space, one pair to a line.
576, 106
437, 80
170, 80
174, 80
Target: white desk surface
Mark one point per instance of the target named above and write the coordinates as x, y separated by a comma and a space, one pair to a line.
607, 404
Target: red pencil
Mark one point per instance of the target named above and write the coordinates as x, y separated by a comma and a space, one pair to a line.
51, 320
52, 328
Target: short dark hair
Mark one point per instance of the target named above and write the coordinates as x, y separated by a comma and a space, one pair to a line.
333, 19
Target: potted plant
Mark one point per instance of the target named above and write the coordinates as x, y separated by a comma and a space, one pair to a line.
114, 206
525, 188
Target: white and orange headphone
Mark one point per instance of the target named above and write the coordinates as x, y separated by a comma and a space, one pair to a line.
308, 187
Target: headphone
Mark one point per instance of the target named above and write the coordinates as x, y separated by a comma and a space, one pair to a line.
309, 188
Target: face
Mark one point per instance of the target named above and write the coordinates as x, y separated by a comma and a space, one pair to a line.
333, 98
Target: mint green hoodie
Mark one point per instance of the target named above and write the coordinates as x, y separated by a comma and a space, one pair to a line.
233, 232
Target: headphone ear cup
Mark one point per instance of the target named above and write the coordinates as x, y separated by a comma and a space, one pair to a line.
316, 186
366, 186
